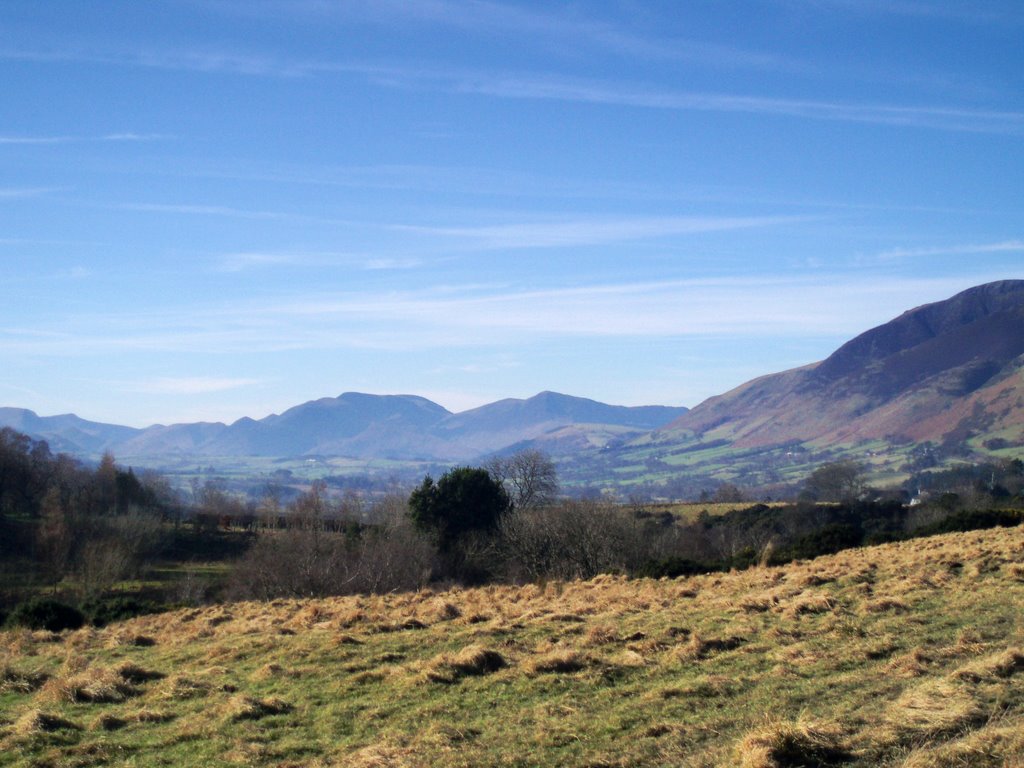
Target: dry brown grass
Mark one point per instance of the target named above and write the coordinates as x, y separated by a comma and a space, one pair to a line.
916, 653
19, 681
36, 721
557, 661
470, 661
783, 744
886, 604
249, 708
95, 685
934, 708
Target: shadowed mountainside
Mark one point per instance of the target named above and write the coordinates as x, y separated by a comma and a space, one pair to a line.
937, 372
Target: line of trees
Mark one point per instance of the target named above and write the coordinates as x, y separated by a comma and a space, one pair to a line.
95, 526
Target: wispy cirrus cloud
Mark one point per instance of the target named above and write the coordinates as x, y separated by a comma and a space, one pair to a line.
194, 59
191, 209
936, 9
554, 88
75, 139
1005, 246
194, 385
497, 317
241, 262
593, 230
547, 27
75, 273
245, 261
19, 193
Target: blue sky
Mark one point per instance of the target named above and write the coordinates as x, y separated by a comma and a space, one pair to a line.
218, 208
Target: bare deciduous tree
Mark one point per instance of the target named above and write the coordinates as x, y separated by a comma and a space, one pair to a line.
529, 477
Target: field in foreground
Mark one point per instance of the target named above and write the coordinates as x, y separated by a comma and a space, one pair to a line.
907, 654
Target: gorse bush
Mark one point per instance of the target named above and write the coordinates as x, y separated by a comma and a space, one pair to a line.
46, 614
104, 611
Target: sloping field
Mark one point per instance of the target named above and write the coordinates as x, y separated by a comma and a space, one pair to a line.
906, 655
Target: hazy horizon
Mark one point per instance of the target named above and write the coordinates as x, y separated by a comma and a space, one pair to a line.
224, 209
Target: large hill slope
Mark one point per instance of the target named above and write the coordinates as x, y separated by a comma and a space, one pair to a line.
940, 370
940, 383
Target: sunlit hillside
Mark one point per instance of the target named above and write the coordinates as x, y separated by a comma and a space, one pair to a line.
908, 654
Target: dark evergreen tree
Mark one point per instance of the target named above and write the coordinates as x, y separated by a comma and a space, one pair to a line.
465, 500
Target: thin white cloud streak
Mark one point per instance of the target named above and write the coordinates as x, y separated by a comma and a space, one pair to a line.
69, 139
595, 231
540, 87
194, 60
615, 94
218, 210
75, 273
959, 12
248, 261
545, 28
812, 307
241, 262
196, 385
21, 193
1006, 246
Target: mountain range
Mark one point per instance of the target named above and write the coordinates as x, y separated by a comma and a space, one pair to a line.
941, 382
357, 425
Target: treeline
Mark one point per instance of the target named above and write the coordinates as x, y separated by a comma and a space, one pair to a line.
969, 486
465, 529
60, 518
76, 533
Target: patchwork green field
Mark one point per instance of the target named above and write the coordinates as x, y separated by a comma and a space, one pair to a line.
908, 654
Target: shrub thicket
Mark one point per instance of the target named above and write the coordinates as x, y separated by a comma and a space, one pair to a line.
46, 614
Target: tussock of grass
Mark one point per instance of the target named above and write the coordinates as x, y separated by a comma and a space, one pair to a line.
16, 681
782, 744
152, 716
182, 687
811, 604
108, 721
600, 634
36, 721
248, 708
273, 670
472, 660
628, 658
92, 686
913, 664
699, 647
759, 603
998, 665
885, 604
559, 661
987, 747
133, 673
934, 708
383, 756
446, 611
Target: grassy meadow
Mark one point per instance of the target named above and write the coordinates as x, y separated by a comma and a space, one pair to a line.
907, 654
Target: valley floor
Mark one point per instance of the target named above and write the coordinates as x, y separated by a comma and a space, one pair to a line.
908, 654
